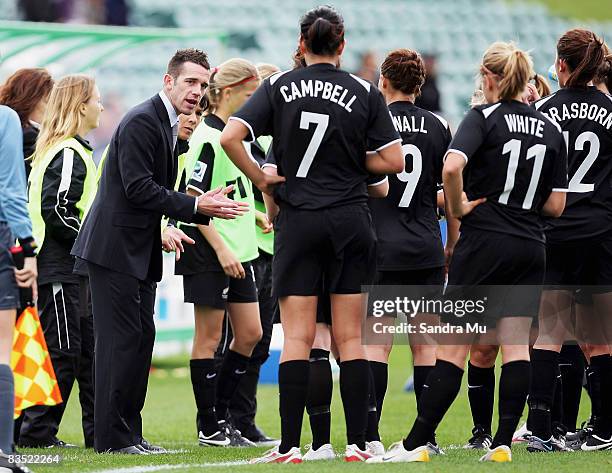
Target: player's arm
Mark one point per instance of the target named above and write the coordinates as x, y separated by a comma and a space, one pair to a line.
234, 133
554, 205
378, 187
452, 177
230, 264
387, 160
272, 208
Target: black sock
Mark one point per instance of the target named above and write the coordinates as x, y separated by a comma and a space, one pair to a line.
7, 404
204, 383
556, 413
233, 367
318, 401
571, 364
372, 434
594, 390
439, 392
420, 374
544, 366
293, 389
355, 390
481, 393
380, 375
602, 365
513, 389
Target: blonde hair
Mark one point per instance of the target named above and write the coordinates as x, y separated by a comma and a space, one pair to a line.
62, 118
266, 70
512, 66
232, 73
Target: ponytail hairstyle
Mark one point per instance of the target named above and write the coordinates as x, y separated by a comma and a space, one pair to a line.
583, 52
322, 29
405, 70
511, 66
542, 85
604, 73
233, 73
265, 70
62, 117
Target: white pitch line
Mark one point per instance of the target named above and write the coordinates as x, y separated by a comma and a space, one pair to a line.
176, 466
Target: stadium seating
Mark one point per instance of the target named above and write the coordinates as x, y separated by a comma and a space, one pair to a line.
456, 31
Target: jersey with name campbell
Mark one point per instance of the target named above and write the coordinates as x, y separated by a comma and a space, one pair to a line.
585, 116
323, 121
406, 220
515, 158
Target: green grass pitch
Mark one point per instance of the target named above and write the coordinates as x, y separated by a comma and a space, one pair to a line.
169, 421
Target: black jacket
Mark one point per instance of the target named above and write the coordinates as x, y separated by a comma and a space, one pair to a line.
30, 133
122, 229
62, 218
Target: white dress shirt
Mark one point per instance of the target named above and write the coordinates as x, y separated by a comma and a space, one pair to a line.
174, 123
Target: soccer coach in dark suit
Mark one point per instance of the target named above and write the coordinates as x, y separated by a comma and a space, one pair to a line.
121, 242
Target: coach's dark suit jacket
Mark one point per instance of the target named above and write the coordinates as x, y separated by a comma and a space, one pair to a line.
122, 229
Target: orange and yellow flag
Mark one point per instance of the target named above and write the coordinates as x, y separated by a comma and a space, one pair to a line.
35, 381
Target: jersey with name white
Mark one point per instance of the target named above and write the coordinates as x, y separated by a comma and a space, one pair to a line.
406, 220
515, 157
585, 116
323, 121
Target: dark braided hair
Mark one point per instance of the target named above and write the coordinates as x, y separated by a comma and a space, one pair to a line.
405, 69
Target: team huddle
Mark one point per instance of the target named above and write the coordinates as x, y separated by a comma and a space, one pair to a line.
320, 185
355, 179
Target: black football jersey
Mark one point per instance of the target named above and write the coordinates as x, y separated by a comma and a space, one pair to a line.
515, 157
323, 120
406, 220
585, 117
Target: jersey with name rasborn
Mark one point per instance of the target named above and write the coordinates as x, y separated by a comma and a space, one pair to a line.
585, 116
323, 121
406, 220
515, 158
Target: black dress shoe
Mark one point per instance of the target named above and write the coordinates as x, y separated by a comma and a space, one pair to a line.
254, 434
52, 443
154, 449
131, 450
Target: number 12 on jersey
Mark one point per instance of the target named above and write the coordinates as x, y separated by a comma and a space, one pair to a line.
321, 121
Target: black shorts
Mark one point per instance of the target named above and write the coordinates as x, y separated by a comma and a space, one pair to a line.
412, 277
337, 245
579, 266
504, 272
216, 289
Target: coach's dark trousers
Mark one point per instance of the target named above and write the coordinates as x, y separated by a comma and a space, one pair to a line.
124, 335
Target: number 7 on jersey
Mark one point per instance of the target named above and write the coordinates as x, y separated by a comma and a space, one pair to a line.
321, 121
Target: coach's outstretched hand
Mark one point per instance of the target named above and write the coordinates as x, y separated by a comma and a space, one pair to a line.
173, 239
215, 203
